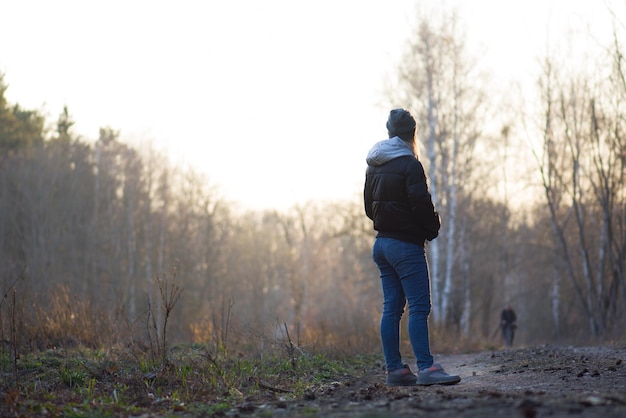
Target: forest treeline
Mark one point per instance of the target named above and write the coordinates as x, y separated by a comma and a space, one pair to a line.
101, 242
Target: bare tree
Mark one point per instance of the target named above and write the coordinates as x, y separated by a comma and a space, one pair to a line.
582, 168
439, 83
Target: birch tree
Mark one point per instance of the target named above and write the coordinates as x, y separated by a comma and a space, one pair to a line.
438, 82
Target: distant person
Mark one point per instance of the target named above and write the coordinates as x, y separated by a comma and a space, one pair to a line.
398, 202
508, 324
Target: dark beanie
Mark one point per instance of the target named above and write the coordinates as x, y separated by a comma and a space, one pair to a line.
400, 122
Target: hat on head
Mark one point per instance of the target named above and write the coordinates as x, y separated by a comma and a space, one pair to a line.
400, 122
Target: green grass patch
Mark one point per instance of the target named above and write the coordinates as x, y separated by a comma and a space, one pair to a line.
192, 380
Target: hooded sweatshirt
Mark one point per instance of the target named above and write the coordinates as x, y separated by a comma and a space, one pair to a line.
396, 194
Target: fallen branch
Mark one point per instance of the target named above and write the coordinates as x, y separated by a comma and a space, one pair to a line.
272, 388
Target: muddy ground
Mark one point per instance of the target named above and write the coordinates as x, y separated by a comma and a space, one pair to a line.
545, 381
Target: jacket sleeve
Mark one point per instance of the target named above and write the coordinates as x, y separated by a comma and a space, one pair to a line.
421, 201
367, 197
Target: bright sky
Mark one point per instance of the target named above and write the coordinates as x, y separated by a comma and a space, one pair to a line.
277, 101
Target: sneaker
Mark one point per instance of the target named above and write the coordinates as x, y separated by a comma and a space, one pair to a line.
401, 377
436, 376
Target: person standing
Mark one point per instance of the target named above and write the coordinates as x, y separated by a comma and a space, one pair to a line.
508, 323
398, 202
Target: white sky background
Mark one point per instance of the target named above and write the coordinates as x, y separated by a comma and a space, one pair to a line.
276, 101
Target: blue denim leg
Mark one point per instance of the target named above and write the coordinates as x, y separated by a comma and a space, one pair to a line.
404, 278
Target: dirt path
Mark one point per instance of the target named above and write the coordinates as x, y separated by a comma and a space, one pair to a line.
544, 381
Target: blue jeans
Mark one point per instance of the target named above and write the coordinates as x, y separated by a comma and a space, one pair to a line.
404, 276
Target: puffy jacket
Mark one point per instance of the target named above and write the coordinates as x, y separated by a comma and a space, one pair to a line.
396, 194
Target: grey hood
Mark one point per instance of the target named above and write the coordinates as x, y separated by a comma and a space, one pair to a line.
388, 150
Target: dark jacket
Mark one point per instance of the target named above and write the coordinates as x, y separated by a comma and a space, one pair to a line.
508, 316
396, 194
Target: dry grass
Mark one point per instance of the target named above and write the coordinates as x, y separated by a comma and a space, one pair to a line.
61, 357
